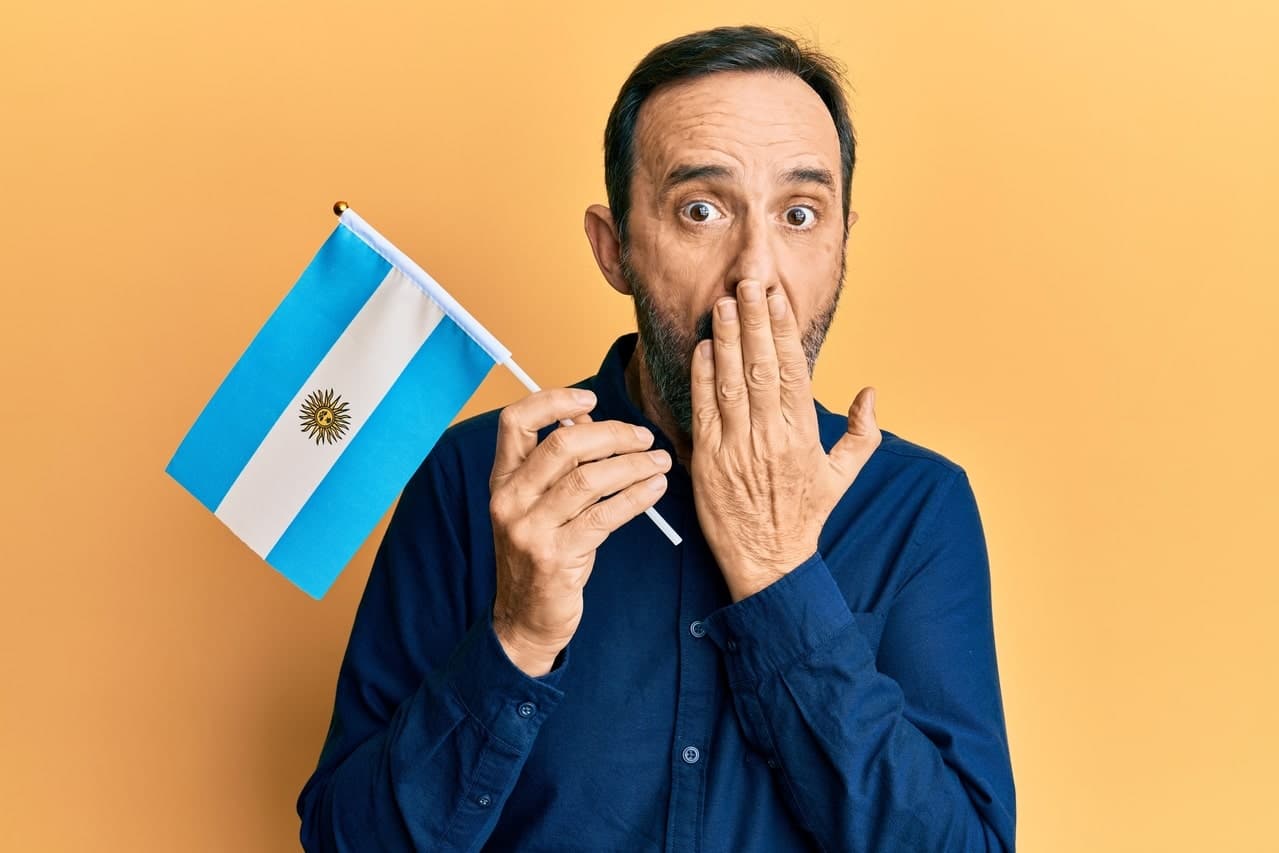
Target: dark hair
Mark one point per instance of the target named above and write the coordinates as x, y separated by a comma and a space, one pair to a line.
746, 48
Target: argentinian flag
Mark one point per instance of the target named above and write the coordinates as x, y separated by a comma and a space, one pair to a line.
334, 405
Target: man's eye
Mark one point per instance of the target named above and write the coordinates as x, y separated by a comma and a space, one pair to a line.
801, 216
700, 211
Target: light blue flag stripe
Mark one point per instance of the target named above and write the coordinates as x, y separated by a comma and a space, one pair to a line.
337, 518
332, 289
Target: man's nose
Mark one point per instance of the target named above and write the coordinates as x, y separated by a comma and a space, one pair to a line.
754, 257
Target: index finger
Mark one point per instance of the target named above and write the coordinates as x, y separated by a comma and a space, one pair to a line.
518, 423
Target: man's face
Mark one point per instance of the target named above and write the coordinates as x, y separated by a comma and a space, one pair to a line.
737, 176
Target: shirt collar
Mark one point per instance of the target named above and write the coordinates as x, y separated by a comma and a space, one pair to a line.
609, 384
613, 402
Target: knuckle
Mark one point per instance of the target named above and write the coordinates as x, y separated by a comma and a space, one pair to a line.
598, 516
793, 371
520, 535
639, 495
705, 417
761, 373
623, 433
578, 481
731, 392
557, 443
645, 463
509, 418
498, 505
543, 552
637, 498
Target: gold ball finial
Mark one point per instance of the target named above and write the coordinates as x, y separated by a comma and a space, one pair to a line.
339, 206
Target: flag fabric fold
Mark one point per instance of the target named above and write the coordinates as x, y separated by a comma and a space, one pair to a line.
333, 406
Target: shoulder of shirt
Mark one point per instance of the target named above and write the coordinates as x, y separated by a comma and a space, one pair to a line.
915, 475
908, 450
893, 449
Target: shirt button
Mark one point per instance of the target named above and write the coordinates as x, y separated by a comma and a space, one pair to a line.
526, 709
691, 755
772, 764
697, 629
484, 800
732, 645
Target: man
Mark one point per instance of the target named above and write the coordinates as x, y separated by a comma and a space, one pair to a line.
812, 668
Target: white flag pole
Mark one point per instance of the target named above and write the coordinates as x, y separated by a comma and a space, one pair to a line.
459, 315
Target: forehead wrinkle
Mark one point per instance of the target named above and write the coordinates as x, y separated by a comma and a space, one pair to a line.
674, 154
723, 125
683, 125
700, 132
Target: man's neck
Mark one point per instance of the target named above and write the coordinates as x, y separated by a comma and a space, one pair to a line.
639, 387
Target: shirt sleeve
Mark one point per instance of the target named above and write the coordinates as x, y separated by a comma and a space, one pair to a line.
902, 747
431, 723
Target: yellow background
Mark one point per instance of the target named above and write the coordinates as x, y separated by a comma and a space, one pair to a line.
1064, 278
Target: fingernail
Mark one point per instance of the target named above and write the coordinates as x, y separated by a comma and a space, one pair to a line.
657, 483
750, 291
776, 305
661, 457
728, 310
584, 398
704, 350
642, 434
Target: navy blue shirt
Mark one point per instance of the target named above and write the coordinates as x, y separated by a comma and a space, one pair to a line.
853, 705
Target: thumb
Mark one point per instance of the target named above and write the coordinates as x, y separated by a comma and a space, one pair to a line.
857, 444
861, 414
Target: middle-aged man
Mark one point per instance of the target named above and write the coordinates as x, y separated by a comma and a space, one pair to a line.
813, 668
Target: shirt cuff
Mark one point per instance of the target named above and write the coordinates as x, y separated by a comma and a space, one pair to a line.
765, 632
508, 702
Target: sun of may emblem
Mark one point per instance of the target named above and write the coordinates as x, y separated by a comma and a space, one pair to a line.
324, 417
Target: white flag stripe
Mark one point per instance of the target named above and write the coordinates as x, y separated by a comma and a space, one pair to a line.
361, 367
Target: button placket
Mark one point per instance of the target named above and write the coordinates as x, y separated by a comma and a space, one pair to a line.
696, 688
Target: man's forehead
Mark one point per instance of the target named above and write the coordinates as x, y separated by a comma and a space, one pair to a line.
735, 119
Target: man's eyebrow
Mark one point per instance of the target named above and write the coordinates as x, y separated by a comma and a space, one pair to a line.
686, 173
809, 175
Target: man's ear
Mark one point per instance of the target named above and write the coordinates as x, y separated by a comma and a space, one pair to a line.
601, 231
852, 218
